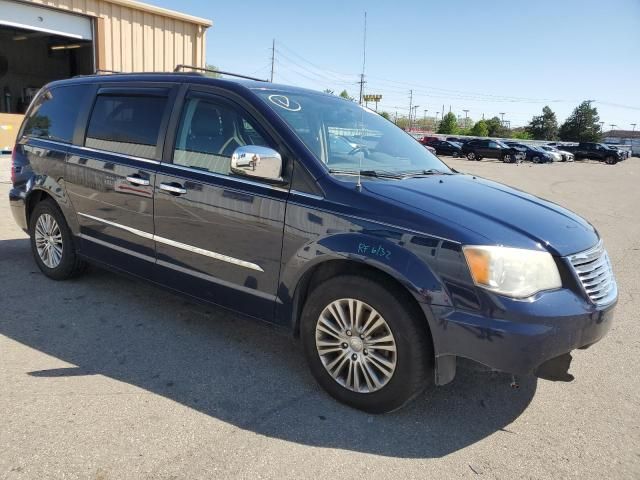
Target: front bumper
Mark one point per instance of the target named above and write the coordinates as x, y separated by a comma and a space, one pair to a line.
520, 335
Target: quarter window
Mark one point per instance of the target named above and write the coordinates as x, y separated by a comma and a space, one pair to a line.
126, 124
54, 113
210, 132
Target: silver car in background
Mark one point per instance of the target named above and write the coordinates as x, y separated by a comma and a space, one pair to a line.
558, 155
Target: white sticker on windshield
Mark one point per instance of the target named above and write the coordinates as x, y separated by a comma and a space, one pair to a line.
285, 102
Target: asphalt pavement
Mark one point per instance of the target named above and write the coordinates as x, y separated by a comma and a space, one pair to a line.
105, 377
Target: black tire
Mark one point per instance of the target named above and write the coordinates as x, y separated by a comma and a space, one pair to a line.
414, 351
610, 160
70, 264
478, 158
536, 159
508, 158
471, 156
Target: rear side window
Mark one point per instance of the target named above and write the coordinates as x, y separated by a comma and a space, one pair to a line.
126, 124
54, 113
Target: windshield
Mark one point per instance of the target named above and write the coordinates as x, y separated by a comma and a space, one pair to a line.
346, 137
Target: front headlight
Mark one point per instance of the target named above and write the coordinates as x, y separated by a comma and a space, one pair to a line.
514, 272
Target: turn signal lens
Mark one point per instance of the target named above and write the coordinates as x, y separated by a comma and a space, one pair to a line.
514, 272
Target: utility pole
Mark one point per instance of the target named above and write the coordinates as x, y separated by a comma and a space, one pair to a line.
424, 120
396, 120
633, 131
601, 127
410, 107
612, 125
415, 112
364, 57
442, 115
502, 116
435, 125
466, 117
273, 57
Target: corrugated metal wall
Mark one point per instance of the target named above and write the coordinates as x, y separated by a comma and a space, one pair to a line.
130, 38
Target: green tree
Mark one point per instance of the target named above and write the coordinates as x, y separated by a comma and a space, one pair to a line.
345, 94
328, 90
385, 115
449, 124
521, 134
582, 125
480, 129
496, 129
545, 126
215, 74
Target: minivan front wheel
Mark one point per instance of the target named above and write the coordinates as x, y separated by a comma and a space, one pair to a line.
51, 242
364, 343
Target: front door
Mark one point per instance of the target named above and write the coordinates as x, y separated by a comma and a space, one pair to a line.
218, 235
110, 178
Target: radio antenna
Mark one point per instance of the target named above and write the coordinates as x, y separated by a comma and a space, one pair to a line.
364, 62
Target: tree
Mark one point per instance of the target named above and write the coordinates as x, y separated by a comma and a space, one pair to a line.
449, 124
521, 134
328, 90
545, 126
480, 129
345, 94
215, 74
385, 115
582, 125
496, 129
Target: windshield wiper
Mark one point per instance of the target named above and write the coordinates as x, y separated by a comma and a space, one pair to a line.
421, 173
368, 173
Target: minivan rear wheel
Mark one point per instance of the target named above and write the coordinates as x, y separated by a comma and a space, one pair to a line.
52, 243
364, 343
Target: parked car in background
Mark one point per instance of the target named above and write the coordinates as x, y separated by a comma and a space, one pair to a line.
595, 151
386, 264
426, 139
478, 149
431, 149
460, 141
624, 152
559, 155
532, 153
444, 147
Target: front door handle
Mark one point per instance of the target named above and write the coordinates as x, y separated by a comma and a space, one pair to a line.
136, 180
174, 188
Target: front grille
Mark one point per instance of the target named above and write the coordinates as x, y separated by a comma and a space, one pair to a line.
593, 270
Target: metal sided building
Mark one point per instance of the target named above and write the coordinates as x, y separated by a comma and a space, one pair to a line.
46, 40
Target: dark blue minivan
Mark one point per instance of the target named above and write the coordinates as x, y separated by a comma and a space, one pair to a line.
311, 212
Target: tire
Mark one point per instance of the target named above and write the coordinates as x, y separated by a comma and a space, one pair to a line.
610, 160
471, 156
50, 233
413, 357
536, 159
507, 158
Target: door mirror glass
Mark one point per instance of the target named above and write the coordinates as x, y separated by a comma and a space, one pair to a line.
257, 161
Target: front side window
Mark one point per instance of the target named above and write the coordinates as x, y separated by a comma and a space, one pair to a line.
209, 133
54, 113
126, 124
346, 137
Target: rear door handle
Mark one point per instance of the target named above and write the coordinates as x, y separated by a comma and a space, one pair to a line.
174, 188
137, 180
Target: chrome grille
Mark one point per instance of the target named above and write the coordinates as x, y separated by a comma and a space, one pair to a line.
593, 270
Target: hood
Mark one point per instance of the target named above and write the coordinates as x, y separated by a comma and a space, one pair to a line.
502, 214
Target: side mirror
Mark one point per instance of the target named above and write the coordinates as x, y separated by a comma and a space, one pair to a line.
257, 161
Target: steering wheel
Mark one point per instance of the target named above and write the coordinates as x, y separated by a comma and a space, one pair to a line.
359, 149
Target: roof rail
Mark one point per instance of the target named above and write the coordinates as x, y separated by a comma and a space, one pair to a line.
202, 69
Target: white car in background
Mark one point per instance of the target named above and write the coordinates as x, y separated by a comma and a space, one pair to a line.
558, 155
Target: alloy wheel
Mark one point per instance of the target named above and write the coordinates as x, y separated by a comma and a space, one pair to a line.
48, 238
356, 345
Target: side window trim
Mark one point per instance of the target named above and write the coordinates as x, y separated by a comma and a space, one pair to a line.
168, 92
184, 100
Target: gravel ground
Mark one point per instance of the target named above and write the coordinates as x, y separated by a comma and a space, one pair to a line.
105, 377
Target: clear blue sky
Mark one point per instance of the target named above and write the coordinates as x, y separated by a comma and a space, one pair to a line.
485, 56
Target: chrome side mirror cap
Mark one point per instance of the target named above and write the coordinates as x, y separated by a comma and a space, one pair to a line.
256, 161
